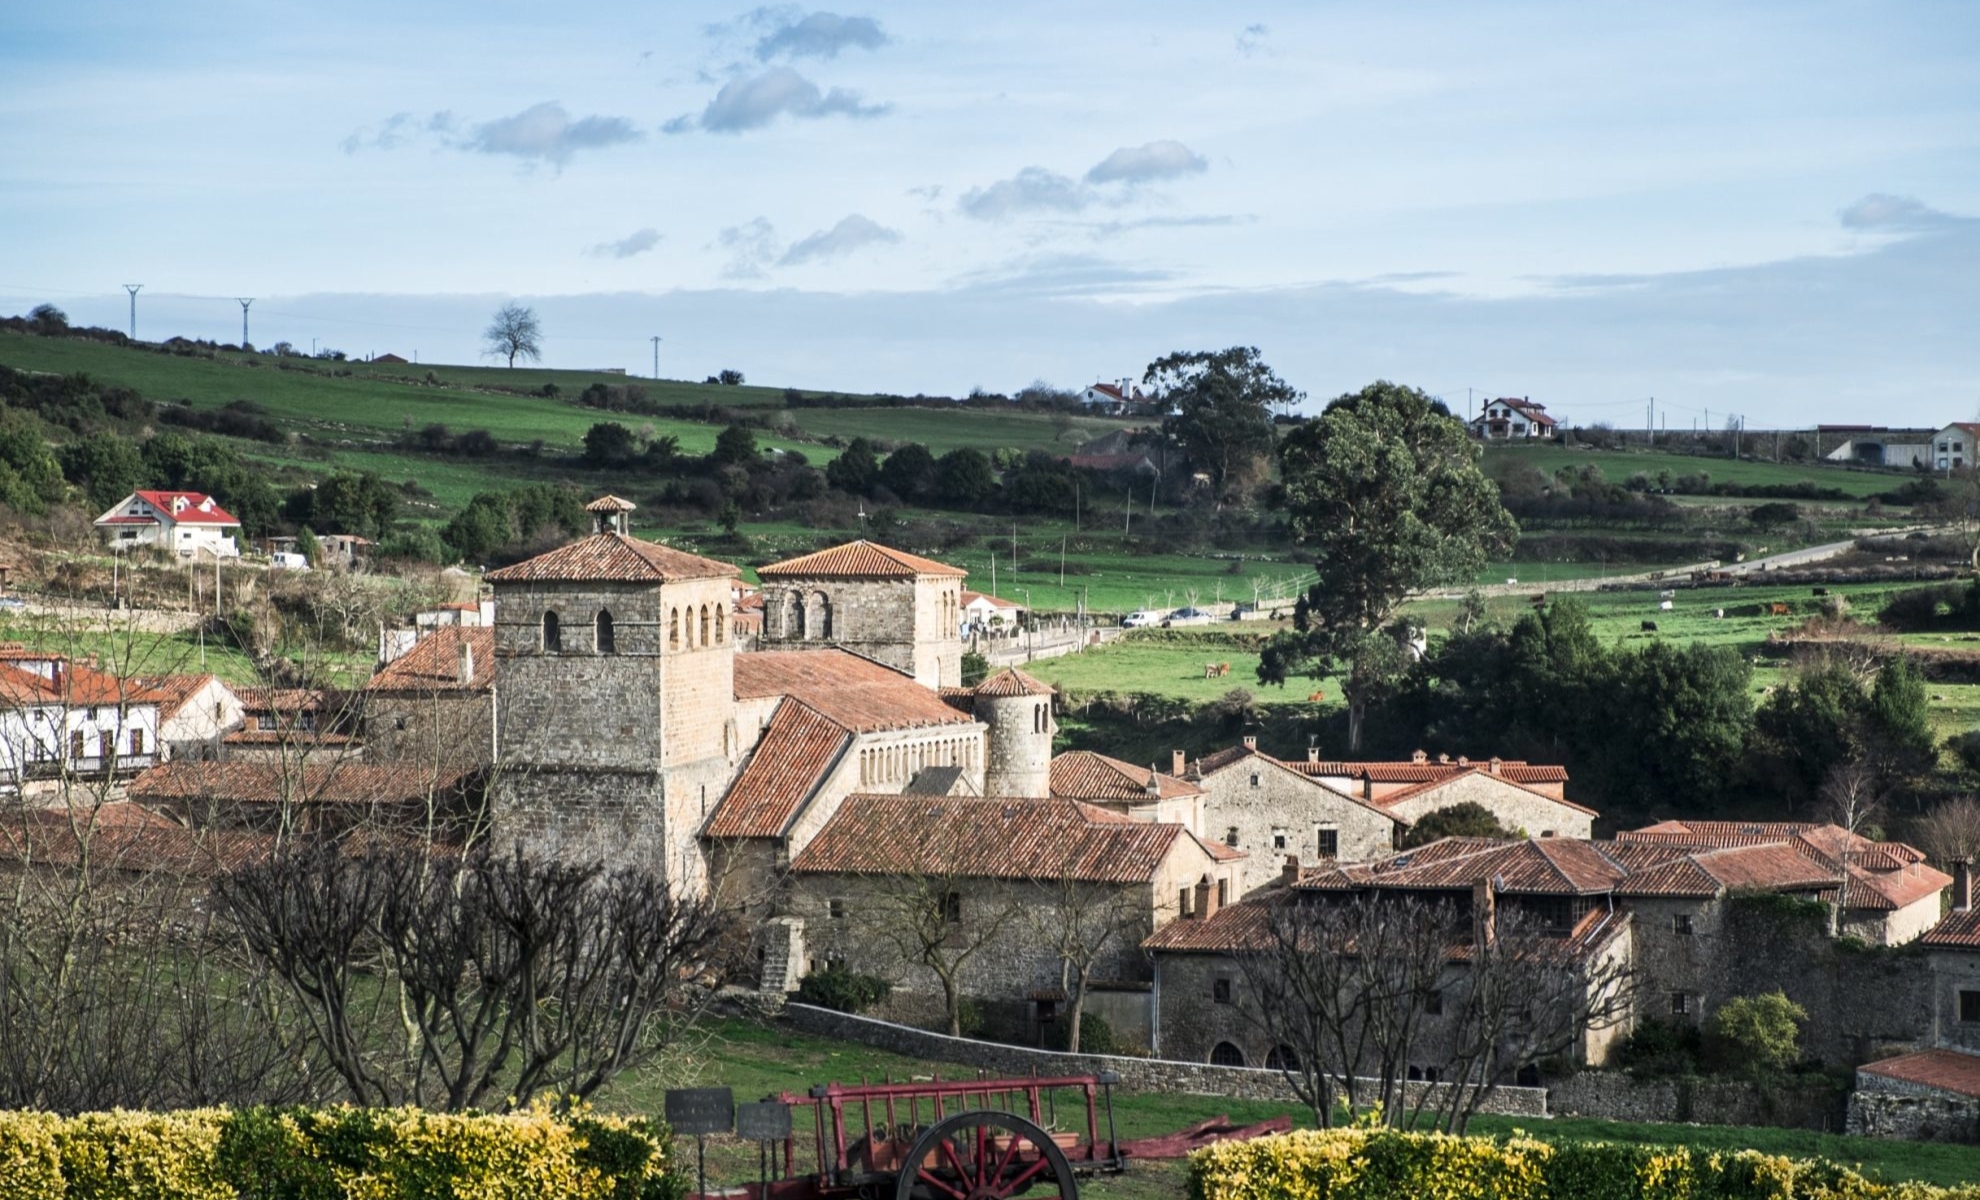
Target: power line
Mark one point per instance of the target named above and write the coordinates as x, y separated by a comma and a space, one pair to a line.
244, 307
133, 288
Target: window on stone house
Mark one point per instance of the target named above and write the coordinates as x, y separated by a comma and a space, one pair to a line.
1681, 924
1278, 839
1254, 779
1223, 1054
553, 634
1220, 990
1680, 1004
607, 637
952, 907
1182, 903
837, 907
1433, 1002
1230, 835
399, 722
1048, 1011
1223, 892
1330, 843
1282, 1058
704, 625
1969, 1005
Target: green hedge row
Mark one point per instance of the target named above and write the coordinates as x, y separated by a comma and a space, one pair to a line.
1356, 1164
334, 1154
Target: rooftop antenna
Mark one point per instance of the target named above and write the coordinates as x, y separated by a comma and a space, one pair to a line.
244, 307
862, 516
656, 358
132, 288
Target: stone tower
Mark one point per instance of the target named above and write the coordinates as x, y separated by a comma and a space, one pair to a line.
888, 605
615, 697
1018, 751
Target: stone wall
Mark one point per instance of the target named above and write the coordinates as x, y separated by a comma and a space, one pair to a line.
1516, 807
1915, 1118
1614, 1096
1136, 1074
1278, 812
910, 624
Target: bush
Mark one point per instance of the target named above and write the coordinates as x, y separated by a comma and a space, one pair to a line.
1659, 1049
1096, 1036
975, 669
322, 1154
841, 990
1758, 1034
1356, 1164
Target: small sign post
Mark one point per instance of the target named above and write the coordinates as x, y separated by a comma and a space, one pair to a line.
765, 1124
701, 1111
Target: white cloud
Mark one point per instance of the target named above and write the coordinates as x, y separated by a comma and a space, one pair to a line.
1901, 213
757, 100
752, 246
546, 132
638, 241
1156, 160
1034, 189
817, 35
1251, 39
848, 235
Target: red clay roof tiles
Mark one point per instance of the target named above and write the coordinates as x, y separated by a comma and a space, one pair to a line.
613, 558
857, 693
858, 560
1084, 775
1944, 1070
270, 783
1012, 682
434, 663
796, 751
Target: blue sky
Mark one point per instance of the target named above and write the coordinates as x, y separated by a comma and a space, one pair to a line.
1771, 209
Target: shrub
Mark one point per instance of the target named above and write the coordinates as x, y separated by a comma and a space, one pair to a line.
975, 669
1661, 1048
841, 990
1096, 1036
1759, 1034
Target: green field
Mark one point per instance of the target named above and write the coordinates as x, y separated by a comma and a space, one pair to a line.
758, 1061
1618, 465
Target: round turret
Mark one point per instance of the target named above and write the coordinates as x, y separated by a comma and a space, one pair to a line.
1018, 711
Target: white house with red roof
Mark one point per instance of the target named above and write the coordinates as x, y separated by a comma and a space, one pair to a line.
1513, 418
186, 523
63, 721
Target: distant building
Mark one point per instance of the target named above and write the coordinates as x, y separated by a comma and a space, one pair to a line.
186, 523
1878, 446
64, 721
1112, 397
1512, 418
387, 357
980, 608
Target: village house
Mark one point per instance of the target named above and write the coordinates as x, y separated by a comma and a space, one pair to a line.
181, 523
290, 724
985, 611
1267, 809
893, 607
434, 704
195, 713
1139, 793
1512, 418
64, 722
315, 798
1015, 877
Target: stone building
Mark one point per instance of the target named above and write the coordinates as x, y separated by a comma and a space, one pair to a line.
615, 702
434, 703
1015, 876
1379, 780
888, 605
194, 713
1254, 803
1141, 793
1016, 710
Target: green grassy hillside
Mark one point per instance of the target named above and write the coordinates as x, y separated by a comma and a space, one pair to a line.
1619, 465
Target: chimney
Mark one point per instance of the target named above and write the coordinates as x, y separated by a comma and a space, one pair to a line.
1313, 754
1962, 884
1485, 911
55, 676
1463, 761
1206, 897
1289, 873
1443, 759
465, 675
1178, 763
1250, 742
1154, 788
1497, 763
1419, 757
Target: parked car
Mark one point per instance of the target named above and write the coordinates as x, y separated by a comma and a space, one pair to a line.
1189, 616
1145, 619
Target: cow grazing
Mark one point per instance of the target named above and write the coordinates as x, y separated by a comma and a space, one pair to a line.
1649, 627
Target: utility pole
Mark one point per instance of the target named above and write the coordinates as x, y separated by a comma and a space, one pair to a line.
132, 288
1650, 421
244, 307
656, 356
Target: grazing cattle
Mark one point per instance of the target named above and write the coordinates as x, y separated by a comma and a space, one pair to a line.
1316, 697
1540, 599
1821, 591
1777, 609
1216, 670
1649, 627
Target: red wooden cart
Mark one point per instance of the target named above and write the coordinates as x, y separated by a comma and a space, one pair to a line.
977, 1139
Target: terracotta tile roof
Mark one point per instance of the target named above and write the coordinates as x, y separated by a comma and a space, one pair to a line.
1084, 775
797, 750
612, 504
1960, 930
285, 737
1943, 1070
1245, 925
1874, 876
1012, 682
987, 838
1530, 866
73, 684
857, 693
56, 839
434, 663
613, 558
172, 692
280, 700
1431, 785
969, 598
270, 783
191, 513
858, 560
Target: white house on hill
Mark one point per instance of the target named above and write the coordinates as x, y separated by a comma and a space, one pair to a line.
186, 523
1512, 418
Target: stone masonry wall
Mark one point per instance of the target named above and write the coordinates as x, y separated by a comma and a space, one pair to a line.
1286, 805
1136, 1074
1914, 1118
1614, 1096
1516, 807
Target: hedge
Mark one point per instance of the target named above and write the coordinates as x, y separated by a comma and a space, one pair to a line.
334, 1154
1358, 1164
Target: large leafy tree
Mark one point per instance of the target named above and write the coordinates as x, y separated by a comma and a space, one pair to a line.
1221, 404
1385, 488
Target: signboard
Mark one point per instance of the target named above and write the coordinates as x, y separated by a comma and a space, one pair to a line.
765, 1122
699, 1111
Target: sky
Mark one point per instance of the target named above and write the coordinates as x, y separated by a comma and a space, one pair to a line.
1763, 209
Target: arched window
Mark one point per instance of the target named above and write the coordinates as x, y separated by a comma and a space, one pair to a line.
553, 635
608, 641
704, 625
721, 624
1282, 1058
673, 629
1223, 1054
793, 615
817, 617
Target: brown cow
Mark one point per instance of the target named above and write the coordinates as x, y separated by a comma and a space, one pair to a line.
1316, 697
1777, 609
1216, 670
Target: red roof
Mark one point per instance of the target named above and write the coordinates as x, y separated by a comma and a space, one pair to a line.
969, 598
1012, 682
1530, 866
1878, 876
171, 692
434, 663
1960, 930
1943, 1070
1422, 772
798, 748
1084, 775
857, 693
859, 560
613, 558
74, 683
198, 508
987, 838
348, 782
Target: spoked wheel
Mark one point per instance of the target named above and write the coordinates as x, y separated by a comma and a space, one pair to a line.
985, 1155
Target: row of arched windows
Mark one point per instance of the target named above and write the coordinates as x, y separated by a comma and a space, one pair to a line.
709, 623
951, 615
604, 638
803, 617
1041, 717
898, 764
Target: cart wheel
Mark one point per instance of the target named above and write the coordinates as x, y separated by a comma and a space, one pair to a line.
961, 1158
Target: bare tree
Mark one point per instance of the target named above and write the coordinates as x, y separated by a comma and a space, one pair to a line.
515, 332
1085, 924
940, 920
1850, 796
1951, 831
458, 982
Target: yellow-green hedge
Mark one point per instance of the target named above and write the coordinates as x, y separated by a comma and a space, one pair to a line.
334, 1154
1359, 1164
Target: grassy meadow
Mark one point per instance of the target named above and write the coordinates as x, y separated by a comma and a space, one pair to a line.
1618, 465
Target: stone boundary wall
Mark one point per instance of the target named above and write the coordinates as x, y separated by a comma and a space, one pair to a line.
1915, 1118
1137, 1074
1614, 1096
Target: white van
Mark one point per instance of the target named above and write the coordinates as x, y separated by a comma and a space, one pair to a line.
1147, 618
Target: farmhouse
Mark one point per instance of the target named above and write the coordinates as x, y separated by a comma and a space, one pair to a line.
1514, 418
194, 713
64, 723
1267, 809
985, 611
182, 523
